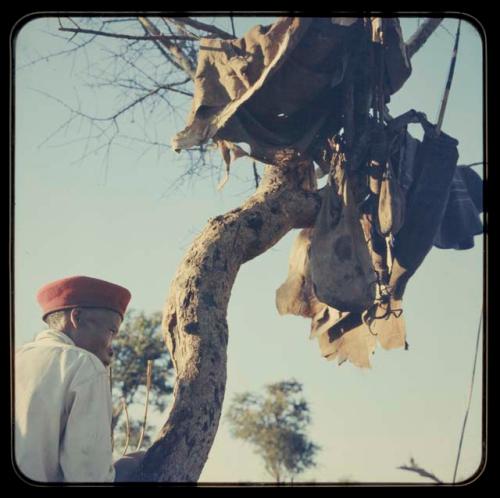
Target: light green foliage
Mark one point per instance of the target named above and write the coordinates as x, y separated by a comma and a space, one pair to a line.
140, 340
276, 424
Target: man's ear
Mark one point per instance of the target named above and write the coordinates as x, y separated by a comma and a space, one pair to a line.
75, 317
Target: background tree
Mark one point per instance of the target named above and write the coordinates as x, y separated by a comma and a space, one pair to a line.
138, 342
276, 424
152, 64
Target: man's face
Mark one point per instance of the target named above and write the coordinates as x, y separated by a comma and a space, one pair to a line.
96, 329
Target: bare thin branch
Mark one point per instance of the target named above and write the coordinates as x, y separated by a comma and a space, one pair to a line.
256, 175
208, 28
473, 164
442, 26
108, 118
164, 52
175, 90
413, 467
180, 26
68, 51
71, 20
119, 20
132, 104
179, 56
418, 39
158, 37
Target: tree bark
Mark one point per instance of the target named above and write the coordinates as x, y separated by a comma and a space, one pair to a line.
194, 317
418, 39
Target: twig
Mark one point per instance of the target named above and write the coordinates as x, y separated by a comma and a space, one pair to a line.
180, 57
132, 104
180, 26
470, 396
127, 426
148, 388
204, 27
256, 175
446, 29
158, 37
473, 164
162, 50
121, 19
71, 20
117, 114
45, 58
417, 40
413, 467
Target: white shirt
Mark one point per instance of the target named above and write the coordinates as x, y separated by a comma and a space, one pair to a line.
62, 412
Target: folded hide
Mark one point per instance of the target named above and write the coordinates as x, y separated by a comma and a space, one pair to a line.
295, 296
277, 86
356, 345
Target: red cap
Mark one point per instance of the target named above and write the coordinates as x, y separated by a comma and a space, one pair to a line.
82, 291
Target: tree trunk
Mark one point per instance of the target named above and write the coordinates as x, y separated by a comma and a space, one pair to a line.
194, 317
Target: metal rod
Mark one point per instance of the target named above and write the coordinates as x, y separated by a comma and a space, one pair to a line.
470, 398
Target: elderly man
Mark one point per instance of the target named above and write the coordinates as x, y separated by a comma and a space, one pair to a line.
62, 392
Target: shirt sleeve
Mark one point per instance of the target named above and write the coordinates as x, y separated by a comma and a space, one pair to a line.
85, 451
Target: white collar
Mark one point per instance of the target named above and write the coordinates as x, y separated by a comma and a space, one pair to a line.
55, 335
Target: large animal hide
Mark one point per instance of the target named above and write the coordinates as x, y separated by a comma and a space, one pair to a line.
275, 88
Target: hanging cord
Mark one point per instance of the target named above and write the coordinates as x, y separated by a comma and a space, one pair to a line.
377, 38
149, 372
111, 394
448, 83
127, 427
470, 397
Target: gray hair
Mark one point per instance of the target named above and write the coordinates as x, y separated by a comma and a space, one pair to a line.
57, 319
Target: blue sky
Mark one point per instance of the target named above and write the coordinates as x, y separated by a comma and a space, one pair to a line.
118, 220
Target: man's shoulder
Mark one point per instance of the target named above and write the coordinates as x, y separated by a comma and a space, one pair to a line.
72, 359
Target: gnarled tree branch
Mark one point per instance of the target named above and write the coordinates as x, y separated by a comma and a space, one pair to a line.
194, 319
